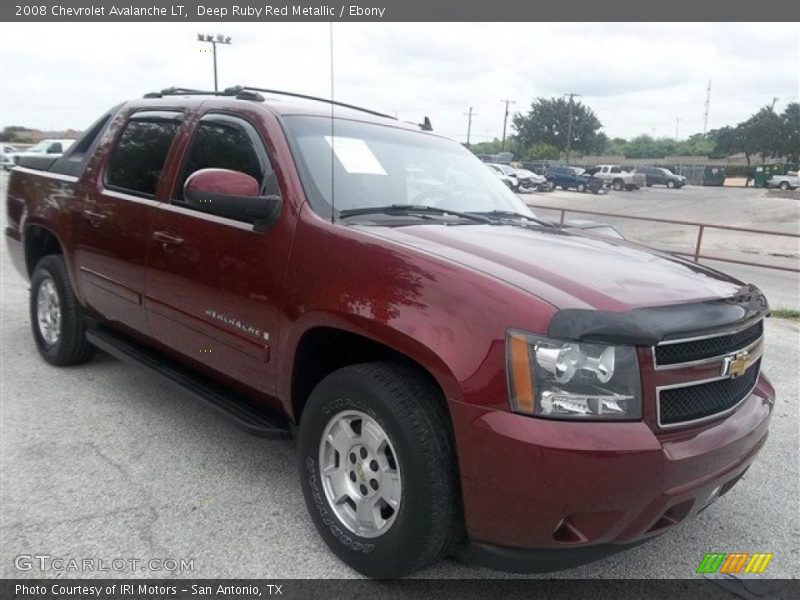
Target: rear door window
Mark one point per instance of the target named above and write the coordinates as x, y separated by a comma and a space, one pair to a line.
138, 159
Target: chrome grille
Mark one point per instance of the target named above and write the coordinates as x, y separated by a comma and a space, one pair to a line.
730, 365
670, 353
695, 402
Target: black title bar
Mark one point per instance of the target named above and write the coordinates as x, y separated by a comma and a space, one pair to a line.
404, 10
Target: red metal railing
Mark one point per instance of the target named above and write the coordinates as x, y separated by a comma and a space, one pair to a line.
701, 227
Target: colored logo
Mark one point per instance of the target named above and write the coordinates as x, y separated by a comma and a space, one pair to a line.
738, 562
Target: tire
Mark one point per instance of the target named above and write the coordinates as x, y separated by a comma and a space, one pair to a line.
581, 187
619, 185
670, 184
60, 337
784, 185
409, 411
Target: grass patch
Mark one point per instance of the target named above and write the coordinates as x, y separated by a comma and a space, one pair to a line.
786, 313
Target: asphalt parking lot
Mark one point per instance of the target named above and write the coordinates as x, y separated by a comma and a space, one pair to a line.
738, 207
98, 462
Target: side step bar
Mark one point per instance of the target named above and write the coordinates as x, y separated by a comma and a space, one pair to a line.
243, 413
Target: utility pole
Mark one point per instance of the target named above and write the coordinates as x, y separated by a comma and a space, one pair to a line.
219, 39
569, 126
470, 114
505, 120
708, 105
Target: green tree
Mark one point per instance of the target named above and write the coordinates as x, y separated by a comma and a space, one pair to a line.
555, 121
790, 128
15, 133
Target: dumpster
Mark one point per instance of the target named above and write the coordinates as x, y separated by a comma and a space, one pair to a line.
714, 176
764, 172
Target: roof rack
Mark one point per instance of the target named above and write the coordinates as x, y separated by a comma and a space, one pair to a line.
251, 93
243, 92
239, 93
316, 98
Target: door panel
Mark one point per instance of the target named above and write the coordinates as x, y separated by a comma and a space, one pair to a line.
214, 285
115, 218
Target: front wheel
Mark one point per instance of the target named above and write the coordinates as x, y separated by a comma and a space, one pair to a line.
56, 318
670, 184
581, 187
378, 469
784, 185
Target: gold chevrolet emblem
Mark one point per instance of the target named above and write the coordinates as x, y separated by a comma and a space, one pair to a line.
738, 364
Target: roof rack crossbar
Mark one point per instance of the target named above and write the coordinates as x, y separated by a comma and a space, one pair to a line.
318, 99
245, 92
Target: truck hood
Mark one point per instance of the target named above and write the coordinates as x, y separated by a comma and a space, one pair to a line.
568, 269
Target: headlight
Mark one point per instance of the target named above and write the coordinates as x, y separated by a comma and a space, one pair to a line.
572, 380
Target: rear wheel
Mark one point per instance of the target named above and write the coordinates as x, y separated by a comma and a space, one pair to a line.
619, 185
56, 319
784, 185
378, 469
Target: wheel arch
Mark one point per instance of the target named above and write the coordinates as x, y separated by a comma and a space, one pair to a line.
38, 242
327, 344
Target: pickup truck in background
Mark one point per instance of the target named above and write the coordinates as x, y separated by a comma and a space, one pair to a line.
790, 181
459, 376
617, 178
42, 154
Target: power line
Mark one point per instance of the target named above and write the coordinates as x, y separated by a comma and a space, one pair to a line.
505, 120
470, 114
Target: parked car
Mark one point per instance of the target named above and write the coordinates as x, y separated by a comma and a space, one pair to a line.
509, 181
530, 180
458, 376
660, 176
53, 148
618, 178
574, 178
790, 181
6, 152
506, 171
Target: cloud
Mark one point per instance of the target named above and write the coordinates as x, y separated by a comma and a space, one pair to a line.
637, 77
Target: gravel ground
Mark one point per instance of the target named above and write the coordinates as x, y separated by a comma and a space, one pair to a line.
97, 461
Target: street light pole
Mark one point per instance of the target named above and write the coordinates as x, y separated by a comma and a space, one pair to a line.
569, 126
219, 39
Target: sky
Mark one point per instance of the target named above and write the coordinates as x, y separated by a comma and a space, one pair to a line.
637, 77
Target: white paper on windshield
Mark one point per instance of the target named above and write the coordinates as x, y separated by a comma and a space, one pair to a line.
355, 155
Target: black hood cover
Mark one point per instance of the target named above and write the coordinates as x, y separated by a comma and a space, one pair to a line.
651, 325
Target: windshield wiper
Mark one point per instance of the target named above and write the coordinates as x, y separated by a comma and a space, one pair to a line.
508, 214
410, 209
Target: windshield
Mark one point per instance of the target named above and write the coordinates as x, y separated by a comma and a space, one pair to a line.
377, 165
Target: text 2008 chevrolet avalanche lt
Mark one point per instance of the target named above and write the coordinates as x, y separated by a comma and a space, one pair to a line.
458, 374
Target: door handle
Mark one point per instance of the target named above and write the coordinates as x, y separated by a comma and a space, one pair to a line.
167, 239
94, 218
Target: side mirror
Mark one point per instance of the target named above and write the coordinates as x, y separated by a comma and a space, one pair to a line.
231, 194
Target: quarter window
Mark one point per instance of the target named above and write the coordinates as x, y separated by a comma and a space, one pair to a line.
138, 159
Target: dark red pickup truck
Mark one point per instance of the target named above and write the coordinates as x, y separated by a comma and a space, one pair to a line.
459, 375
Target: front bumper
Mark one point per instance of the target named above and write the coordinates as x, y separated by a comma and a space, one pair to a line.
589, 489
